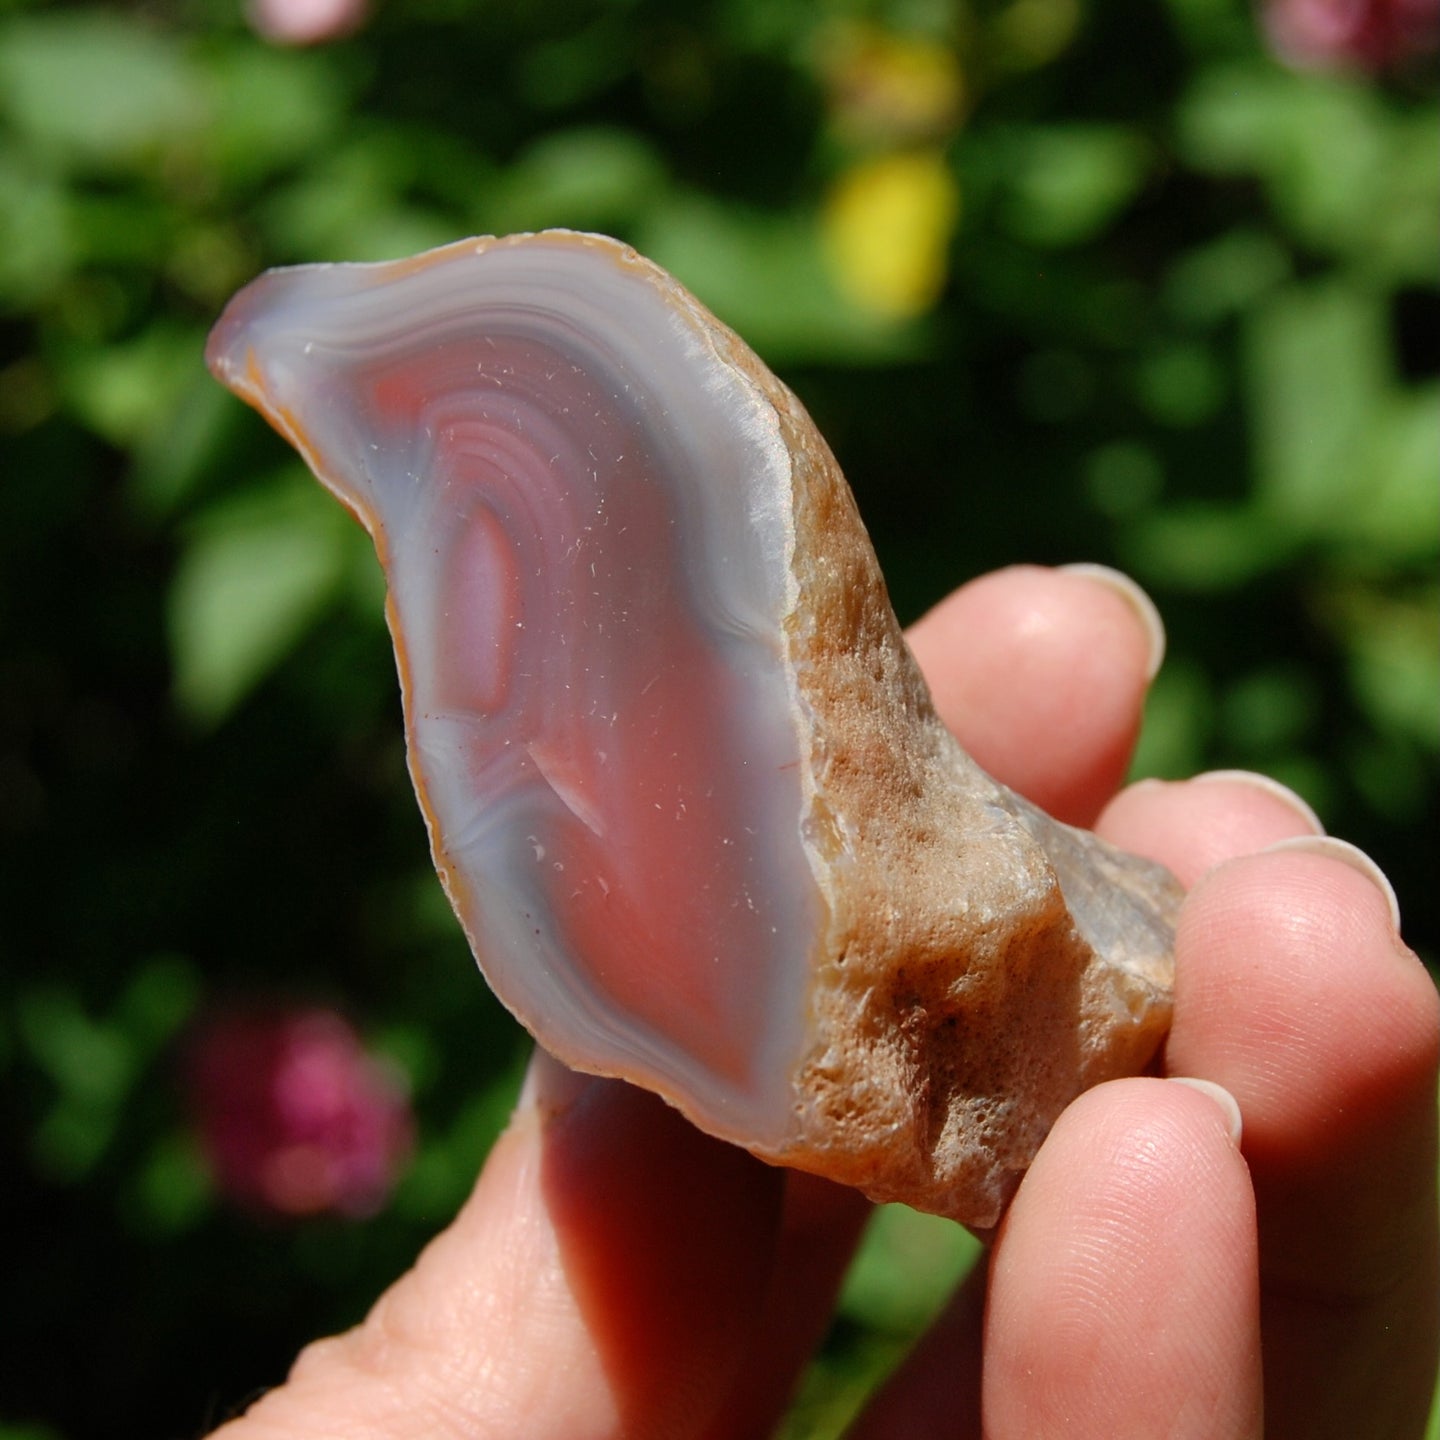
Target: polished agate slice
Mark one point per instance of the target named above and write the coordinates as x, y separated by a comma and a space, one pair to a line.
684, 784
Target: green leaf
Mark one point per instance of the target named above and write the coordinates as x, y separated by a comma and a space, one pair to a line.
269, 108
1226, 276
129, 392
1316, 364
1269, 710
40, 238
351, 205
1199, 546
1345, 173
172, 1188
1068, 184
1394, 652
254, 575
95, 87
597, 178
1181, 384
763, 273
27, 1432
88, 1061
1397, 514
906, 1267
1179, 716
157, 1000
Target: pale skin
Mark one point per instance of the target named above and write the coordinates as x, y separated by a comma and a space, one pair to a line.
615, 1275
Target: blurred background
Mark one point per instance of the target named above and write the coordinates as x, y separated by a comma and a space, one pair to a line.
1145, 282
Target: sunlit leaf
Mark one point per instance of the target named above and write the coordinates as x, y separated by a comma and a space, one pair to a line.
1066, 184
1201, 546
173, 458
1398, 508
764, 274
128, 392
1346, 174
351, 205
1394, 650
96, 86
595, 178
253, 576
38, 224
1225, 276
906, 1266
1317, 369
269, 107
1179, 715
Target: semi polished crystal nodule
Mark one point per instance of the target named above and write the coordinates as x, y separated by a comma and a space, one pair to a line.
684, 784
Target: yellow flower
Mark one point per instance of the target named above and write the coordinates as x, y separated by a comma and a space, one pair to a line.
887, 224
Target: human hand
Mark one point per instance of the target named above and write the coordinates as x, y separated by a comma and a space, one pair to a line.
615, 1273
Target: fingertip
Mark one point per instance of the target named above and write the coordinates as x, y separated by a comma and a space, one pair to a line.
1294, 991
1221, 1098
1124, 1291
1290, 960
1141, 605
1252, 780
1194, 825
1331, 848
1042, 675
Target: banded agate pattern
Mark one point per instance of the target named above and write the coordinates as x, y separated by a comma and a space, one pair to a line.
684, 783
589, 571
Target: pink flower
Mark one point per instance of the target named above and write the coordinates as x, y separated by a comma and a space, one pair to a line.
294, 1117
1368, 34
305, 22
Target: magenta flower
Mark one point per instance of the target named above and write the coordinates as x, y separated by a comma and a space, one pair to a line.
1363, 34
295, 1118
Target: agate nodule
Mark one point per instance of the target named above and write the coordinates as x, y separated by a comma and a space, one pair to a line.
684, 784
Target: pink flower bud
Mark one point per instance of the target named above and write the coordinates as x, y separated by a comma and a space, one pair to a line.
1363, 34
293, 1115
305, 22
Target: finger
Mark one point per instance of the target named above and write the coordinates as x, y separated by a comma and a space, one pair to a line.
1123, 1288
1294, 992
602, 1281
1194, 825
821, 1224
1190, 826
1042, 675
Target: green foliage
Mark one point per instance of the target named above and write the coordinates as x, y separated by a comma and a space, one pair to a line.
256, 572
1177, 316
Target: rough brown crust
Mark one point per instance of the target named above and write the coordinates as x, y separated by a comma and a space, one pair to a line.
957, 1007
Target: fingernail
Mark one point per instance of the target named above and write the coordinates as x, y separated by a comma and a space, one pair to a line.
1228, 1105
1138, 601
1348, 854
550, 1088
1273, 788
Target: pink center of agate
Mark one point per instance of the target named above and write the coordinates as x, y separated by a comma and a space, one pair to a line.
584, 740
